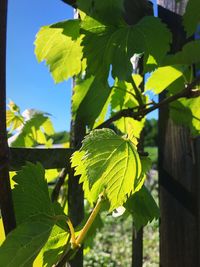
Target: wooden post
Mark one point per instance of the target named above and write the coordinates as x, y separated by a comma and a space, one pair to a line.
6, 204
178, 181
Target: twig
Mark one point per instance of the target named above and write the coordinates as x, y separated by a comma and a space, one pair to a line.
189, 92
60, 182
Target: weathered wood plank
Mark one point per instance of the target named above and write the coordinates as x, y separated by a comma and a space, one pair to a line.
179, 242
51, 158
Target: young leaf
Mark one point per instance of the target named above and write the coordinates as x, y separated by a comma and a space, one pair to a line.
33, 131
31, 193
112, 164
59, 45
143, 207
130, 126
191, 17
162, 78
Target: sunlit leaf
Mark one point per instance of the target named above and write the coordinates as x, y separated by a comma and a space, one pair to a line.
60, 47
53, 249
162, 78
2, 233
33, 131
112, 164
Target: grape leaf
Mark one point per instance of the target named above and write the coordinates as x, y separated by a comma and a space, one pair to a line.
123, 94
31, 193
53, 249
130, 126
191, 18
90, 96
190, 54
108, 12
109, 45
143, 207
162, 78
13, 120
33, 131
2, 233
59, 45
112, 164
24, 243
187, 112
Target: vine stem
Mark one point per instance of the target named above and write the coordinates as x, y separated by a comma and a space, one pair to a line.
76, 243
189, 92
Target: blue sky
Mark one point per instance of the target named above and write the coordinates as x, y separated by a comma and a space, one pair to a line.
29, 84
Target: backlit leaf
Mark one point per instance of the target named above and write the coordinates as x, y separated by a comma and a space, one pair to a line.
33, 131
112, 164
59, 46
162, 78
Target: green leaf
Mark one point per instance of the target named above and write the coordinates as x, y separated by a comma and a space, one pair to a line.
190, 54
108, 12
187, 112
101, 51
143, 208
13, 121
59, 45
30, 193
162, 78
2, 233
24, 243
123, 94
191, 18
130, 126
90, 96
112, 164
53, 249
34, 131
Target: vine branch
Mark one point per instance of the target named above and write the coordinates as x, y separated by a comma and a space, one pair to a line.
188, 92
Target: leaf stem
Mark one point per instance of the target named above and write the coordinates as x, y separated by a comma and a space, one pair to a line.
90, 221
71, 229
